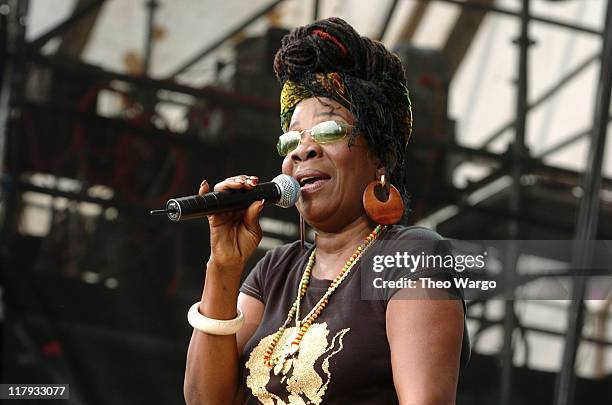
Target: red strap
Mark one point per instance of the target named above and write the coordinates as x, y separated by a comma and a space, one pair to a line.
324, 35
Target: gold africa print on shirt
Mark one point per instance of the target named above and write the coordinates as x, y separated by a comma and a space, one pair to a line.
299, 377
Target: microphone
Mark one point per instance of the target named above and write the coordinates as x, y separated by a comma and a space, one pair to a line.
283, 191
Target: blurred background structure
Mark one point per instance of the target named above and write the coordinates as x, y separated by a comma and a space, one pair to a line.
109, 108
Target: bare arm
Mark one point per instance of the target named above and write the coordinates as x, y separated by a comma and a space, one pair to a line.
211, 373
425, 339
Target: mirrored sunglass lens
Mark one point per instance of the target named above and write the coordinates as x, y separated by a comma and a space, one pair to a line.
288, 142
328, 131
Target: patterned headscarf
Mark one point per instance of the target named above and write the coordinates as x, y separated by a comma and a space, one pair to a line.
333, 85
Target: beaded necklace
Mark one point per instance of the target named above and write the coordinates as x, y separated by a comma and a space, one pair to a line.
291, 349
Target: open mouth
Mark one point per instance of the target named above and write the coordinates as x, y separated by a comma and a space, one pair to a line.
313, 182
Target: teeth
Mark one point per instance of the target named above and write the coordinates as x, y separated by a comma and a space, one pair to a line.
305, 179
311, 179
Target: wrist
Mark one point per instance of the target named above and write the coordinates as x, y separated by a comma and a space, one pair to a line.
214, 326
220, 292
226, 269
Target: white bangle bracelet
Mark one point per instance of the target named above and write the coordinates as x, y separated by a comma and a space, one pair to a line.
214, 326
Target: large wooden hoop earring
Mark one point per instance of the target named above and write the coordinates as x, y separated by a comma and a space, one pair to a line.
383, 203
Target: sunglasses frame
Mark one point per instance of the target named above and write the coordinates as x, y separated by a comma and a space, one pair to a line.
341, 125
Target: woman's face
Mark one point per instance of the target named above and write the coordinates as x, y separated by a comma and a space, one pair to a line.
333, 177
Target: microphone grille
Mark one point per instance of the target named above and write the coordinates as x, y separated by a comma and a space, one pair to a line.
289, 190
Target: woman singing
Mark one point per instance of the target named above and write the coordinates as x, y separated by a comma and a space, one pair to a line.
298, 330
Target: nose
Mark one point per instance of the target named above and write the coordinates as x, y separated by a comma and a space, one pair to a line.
307, 149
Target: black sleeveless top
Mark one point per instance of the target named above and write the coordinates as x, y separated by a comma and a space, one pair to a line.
345, 356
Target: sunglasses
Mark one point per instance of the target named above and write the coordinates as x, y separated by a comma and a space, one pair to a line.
322, 133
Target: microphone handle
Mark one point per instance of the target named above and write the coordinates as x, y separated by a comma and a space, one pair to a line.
217, 202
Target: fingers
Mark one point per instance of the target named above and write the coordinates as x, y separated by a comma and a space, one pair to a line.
251, 217
231, 183
237, 182
204, 188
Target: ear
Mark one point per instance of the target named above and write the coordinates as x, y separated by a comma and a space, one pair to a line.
380, 171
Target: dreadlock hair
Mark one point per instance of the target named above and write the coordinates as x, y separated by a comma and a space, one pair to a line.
375, 80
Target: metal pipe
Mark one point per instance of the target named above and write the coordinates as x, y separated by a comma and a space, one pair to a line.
11, 100
11, 94
6, 82
216, 95
587, 221
76, 16
532, 164
567, 141
518, 152
487, 323
209, 48
152, 6
387, 21
413, 22
315, 10
562, 82
133, 210
545, 20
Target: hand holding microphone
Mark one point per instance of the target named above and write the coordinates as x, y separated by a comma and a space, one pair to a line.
233, 213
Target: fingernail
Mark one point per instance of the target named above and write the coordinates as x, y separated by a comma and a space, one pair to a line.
203, 183
251, 182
